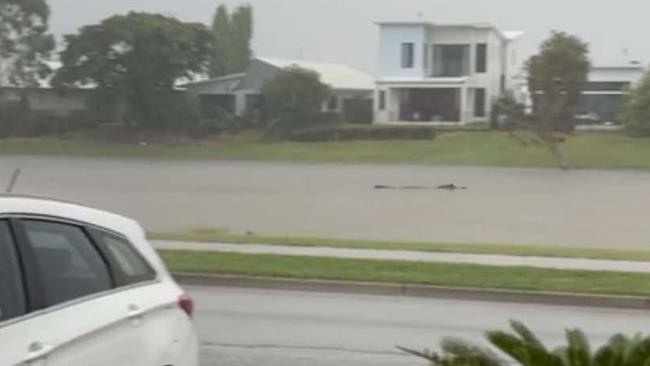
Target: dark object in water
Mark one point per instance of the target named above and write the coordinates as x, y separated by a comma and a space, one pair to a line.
450, 187
381, 186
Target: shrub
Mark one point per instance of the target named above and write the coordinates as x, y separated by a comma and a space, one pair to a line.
326, 118
636, 112
363, 132
219, 121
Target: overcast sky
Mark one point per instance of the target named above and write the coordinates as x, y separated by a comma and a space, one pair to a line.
343, 30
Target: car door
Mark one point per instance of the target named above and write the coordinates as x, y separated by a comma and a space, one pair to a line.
84, 319
15, 329
164, 330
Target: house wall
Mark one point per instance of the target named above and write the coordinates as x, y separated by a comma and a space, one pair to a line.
390, 50
501, 61
626, 74
257, 74
50, 101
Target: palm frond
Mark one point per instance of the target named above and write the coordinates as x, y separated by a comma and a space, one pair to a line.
578, 350
469, 354
433, 357
510, 345
526, 334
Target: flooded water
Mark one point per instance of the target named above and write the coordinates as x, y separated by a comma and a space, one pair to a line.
501, 205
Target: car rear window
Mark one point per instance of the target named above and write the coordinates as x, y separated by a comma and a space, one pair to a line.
12, 295
128, 265
69, 264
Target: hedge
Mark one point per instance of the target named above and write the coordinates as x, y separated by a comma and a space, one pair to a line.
363, 132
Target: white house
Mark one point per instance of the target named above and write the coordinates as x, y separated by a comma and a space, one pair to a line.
602, 95
442, 73
352, 89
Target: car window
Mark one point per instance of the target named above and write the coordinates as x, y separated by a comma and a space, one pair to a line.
129, 265
69, 264
12, 296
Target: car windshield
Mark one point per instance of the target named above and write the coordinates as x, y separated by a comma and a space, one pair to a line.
351, 182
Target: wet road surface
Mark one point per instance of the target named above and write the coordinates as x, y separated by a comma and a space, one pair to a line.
501, 205
247, 327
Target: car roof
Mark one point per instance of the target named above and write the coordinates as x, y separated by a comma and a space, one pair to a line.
40, 206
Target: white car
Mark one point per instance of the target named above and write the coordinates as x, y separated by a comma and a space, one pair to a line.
82, 287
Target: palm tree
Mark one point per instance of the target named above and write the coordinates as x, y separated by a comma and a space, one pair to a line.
456, 352
522, 346
622, 350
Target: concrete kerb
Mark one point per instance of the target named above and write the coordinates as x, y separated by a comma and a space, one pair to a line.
470, 294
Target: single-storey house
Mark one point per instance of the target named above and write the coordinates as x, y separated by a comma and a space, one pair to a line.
45, 100
351, 96
602, 95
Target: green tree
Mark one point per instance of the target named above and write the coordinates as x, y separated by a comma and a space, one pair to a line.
242, 30
232, 35
636, 111
135, 61
293, 97
25, 44
556, 76
219, 63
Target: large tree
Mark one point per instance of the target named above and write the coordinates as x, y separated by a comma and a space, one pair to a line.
556, 76
135, 61
293, 97
219, 63
232, 34
25, 44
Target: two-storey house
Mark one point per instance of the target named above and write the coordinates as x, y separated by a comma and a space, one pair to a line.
434, 73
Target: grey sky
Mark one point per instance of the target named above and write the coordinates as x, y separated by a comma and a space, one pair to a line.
343, 30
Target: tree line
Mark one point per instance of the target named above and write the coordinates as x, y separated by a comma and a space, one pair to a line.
134, 63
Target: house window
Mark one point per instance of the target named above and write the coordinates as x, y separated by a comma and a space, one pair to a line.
382, 100
451, 60
333, 103
481, 58
479, 102
407, 55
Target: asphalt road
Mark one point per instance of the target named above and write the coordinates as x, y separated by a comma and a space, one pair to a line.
537, 206
243, 327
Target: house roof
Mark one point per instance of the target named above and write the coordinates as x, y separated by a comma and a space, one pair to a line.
507, 35
337, 76
232, 77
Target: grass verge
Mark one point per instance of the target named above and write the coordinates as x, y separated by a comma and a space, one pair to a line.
381, 271
585, 150
224, 236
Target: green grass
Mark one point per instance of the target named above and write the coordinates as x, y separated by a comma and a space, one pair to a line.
381, 271
224, 236
588, 150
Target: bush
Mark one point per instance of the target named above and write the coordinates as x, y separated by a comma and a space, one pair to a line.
506, 112
636, 112
363, 132
326, 118
220, 121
